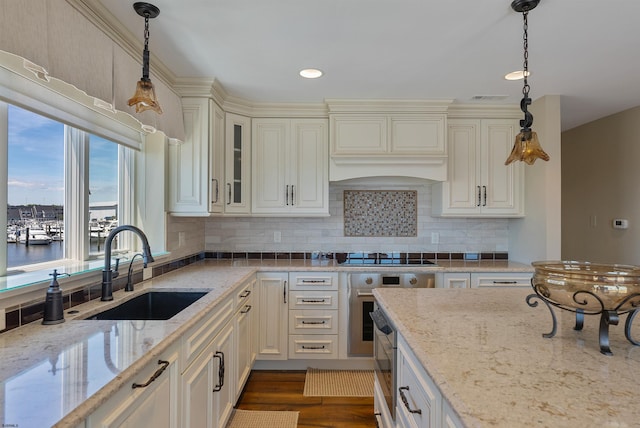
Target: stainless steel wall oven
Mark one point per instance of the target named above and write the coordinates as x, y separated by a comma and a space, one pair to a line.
361, 285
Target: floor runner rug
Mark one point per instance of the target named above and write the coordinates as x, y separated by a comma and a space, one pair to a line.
338, 383
262, 419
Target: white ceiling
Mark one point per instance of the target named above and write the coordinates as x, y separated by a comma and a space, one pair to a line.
584, 50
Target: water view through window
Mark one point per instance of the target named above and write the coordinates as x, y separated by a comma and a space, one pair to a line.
36, 189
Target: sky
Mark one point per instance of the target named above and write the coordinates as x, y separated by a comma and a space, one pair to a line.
36, 162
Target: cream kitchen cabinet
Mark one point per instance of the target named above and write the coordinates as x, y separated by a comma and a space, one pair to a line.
484, 279
152, 399
313, 315
237, 191
208, 391
479, 184
290, 167
384, 144
273, 295
196, 166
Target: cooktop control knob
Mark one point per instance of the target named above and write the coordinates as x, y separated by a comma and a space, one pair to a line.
413, 281
369, 280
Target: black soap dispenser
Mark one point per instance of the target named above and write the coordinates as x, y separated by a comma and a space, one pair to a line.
53, 310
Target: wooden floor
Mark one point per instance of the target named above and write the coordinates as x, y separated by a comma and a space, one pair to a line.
282, 390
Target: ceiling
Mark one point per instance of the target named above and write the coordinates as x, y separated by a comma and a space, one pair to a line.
586, 51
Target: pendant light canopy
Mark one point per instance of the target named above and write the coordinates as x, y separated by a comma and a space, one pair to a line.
145, 96
526, 146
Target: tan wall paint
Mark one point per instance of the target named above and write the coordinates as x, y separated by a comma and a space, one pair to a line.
600, 179
537, 236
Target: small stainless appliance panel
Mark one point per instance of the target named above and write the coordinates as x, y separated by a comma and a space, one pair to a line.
384, 357
361, 285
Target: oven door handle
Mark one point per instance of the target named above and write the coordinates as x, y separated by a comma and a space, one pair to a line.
360, 293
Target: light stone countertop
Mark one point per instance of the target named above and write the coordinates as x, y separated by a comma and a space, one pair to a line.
58, 374
485, 351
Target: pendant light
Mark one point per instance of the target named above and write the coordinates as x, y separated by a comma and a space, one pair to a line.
526, 146
145, 96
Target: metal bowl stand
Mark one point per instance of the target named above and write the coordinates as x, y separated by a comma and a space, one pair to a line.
582, 298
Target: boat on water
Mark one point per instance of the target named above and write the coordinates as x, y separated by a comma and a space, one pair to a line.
36, 237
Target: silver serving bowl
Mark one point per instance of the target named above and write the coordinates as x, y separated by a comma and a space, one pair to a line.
591, 287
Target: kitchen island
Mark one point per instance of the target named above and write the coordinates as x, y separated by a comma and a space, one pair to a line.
484, 350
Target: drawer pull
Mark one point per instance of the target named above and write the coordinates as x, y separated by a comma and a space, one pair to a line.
246, 309
313, 300
313, 322
220, 384
406, 402
154, 376
245, 293
312, 347
505, 282
314, 281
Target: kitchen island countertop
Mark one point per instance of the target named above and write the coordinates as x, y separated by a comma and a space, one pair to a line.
484, 350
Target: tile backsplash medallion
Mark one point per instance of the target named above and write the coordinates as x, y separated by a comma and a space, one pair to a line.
380, 213
326, 234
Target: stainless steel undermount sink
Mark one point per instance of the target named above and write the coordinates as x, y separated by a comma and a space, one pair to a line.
153, 305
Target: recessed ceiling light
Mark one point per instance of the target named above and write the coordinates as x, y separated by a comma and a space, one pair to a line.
310, 73
516, 75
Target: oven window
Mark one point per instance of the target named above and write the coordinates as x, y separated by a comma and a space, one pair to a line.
367, 322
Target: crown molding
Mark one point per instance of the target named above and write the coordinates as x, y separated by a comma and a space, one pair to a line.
387, 105
484, 111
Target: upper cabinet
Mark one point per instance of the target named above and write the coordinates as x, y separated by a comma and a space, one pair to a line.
479, 184
196, 166
290, 167
378, 138
237, 164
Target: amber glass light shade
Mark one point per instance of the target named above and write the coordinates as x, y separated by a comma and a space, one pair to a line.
145, 97
527, 148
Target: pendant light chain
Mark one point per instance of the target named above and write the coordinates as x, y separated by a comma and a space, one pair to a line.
525, 64
146, 31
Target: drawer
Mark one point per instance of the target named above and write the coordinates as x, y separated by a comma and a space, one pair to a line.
419, 392
313, 299
501, 279
313, 321
316, 346
313, 281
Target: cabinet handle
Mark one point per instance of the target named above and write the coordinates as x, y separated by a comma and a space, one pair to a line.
246, 309
313, 322
245, 293
284, 292
505, 282
479, 197
312, 347
229, 187
406, 402
217, 190
164, 365
219, 355
286, 194
292, 194
313, 300
484, 190
313, 281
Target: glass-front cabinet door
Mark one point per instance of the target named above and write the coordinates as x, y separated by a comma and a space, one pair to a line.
238, 164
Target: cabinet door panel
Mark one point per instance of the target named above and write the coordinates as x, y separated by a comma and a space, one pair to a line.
269, 149
309, 165
463, 167
353, 135
499, 179
418, 135
273, 318
237, 164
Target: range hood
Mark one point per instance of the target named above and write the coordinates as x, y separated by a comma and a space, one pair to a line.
412, 167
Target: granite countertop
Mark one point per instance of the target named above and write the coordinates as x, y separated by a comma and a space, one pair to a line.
59, 374
485, 351
77, 365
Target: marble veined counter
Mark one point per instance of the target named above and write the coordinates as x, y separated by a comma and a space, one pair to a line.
485, 351
56, 375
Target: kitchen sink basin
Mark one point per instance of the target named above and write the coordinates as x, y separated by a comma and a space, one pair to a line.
154, 305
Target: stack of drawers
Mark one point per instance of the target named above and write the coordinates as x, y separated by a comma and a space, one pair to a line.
313, 315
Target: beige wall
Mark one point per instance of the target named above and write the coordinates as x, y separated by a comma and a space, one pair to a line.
537, 236
600, 178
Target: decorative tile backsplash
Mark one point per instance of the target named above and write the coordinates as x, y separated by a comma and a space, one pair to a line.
380, 213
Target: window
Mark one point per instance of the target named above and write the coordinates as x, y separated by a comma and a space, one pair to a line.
66, 190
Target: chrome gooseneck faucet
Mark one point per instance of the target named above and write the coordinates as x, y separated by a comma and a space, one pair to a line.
107, 274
